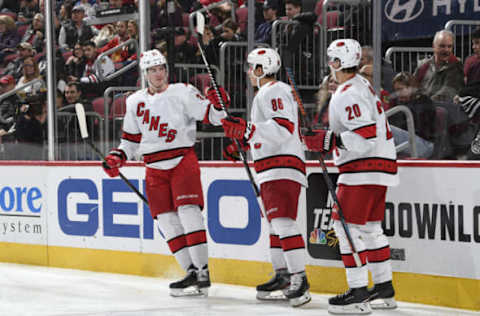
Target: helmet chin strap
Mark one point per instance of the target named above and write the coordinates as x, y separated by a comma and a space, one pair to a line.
258, 79
333, 71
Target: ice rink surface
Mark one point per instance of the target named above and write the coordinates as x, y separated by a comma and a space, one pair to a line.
31, 290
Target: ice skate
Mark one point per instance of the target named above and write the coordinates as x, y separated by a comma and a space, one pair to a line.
382, 296
203, 278
273, 289
298, 293
354, 301
188, 286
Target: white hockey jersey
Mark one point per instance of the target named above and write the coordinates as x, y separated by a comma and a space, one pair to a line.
162, 126
276, 145
357, 115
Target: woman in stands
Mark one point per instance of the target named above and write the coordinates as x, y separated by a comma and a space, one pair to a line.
9, 38
30, 73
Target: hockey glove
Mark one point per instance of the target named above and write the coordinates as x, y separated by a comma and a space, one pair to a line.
470, 105
213, 98
232, 153
236, 127
321, 140
113, 161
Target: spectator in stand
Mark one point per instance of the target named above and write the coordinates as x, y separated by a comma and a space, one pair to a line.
28, 9
159, 16
105, 35
292, 8
65, 13
9, 38
263, 34
387, 70
185, 53
30, 73
229, 32
35, 33
326, 90
31, 129
73, 95
301, 60
67, 125
91, 79
75, 30
75, 64
15, 67
90, 74
132, 30
8, 113
424, 117
440, 77
121, 35
472, 63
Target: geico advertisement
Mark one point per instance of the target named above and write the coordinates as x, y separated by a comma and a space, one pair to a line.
23, 206
432, 220
94, 211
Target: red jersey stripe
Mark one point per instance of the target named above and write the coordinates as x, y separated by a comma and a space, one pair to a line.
285, 123
134, 138
367, 132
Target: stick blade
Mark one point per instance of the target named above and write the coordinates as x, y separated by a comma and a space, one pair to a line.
82, 121
200, 23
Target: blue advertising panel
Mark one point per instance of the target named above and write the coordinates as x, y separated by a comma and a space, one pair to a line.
408, 19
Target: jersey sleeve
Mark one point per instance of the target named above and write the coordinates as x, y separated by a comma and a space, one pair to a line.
131, 134
281, 117
199, 107
358, 118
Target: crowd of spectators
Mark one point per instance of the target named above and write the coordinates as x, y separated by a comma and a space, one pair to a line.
442, 93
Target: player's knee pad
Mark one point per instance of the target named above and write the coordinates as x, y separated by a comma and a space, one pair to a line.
191, 217
342, 236
169, 224
284, 226
372, 234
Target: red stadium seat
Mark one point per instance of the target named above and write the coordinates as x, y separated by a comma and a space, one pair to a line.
242, 18
99, 106
119, 106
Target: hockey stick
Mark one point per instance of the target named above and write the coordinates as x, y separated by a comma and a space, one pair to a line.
328, 181
200, 28
82, 123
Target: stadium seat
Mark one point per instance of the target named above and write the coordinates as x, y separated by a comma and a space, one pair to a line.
185, 19
242, 18
119, 106
99, 106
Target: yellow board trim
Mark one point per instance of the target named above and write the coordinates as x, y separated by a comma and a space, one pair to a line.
410, 287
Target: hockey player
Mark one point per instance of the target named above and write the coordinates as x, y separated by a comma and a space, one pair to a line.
364, 152
160, 123
274, 138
